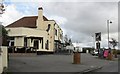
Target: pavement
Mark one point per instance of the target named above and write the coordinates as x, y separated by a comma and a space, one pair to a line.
58, 63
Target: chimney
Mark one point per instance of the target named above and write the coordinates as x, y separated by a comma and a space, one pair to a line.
40, 8
40, 12
40, 18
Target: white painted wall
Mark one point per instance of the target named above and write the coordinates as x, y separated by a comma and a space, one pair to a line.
78, 49
3, 58
19, 41
1, 67
70, 47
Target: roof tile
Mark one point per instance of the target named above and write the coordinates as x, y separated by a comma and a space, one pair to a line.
29, 22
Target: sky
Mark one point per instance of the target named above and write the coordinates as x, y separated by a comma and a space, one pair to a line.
79, 19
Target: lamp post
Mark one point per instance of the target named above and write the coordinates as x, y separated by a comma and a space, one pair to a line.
110, 54
108, 22
93, 41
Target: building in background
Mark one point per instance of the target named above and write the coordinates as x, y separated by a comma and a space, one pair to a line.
34, 33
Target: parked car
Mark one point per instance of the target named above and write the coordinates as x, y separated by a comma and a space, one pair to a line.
94, 53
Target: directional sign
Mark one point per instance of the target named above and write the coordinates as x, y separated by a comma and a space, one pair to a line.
98, 45
98, 36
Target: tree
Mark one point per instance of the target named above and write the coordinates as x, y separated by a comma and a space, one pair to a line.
3, 32
2, 7
114, 44
3, 35
66, 40
70, 42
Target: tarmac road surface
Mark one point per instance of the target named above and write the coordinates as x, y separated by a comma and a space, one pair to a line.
59, 63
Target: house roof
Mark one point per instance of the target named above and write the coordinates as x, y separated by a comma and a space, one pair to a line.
29, 22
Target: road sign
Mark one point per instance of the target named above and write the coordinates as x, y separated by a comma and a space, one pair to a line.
98, 45
98, 36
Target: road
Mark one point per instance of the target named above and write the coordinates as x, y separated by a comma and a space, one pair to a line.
59, 63
112, 66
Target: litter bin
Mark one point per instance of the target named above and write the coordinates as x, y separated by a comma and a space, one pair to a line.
76, 58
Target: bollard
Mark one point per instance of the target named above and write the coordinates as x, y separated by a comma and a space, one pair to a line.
110, 57
115, 53
76, 58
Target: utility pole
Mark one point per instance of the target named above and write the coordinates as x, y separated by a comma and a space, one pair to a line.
93, 40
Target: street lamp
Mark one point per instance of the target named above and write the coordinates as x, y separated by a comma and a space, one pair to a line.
108, 22
110, 54
93, 40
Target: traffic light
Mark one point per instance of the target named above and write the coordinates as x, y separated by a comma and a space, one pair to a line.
98, 36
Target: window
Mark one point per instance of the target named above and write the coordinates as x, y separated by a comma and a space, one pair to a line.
36, 44
11, 41
54, 24
60, 36
55, 32
25, 42
42, 42
48, 28
47, 45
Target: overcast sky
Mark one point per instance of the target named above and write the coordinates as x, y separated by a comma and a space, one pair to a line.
79, 19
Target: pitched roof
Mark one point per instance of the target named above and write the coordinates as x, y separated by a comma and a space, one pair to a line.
29, 22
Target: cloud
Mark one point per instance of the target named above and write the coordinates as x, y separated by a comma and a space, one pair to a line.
64, 0
79, 20
10, 15
60, 20
86, 18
